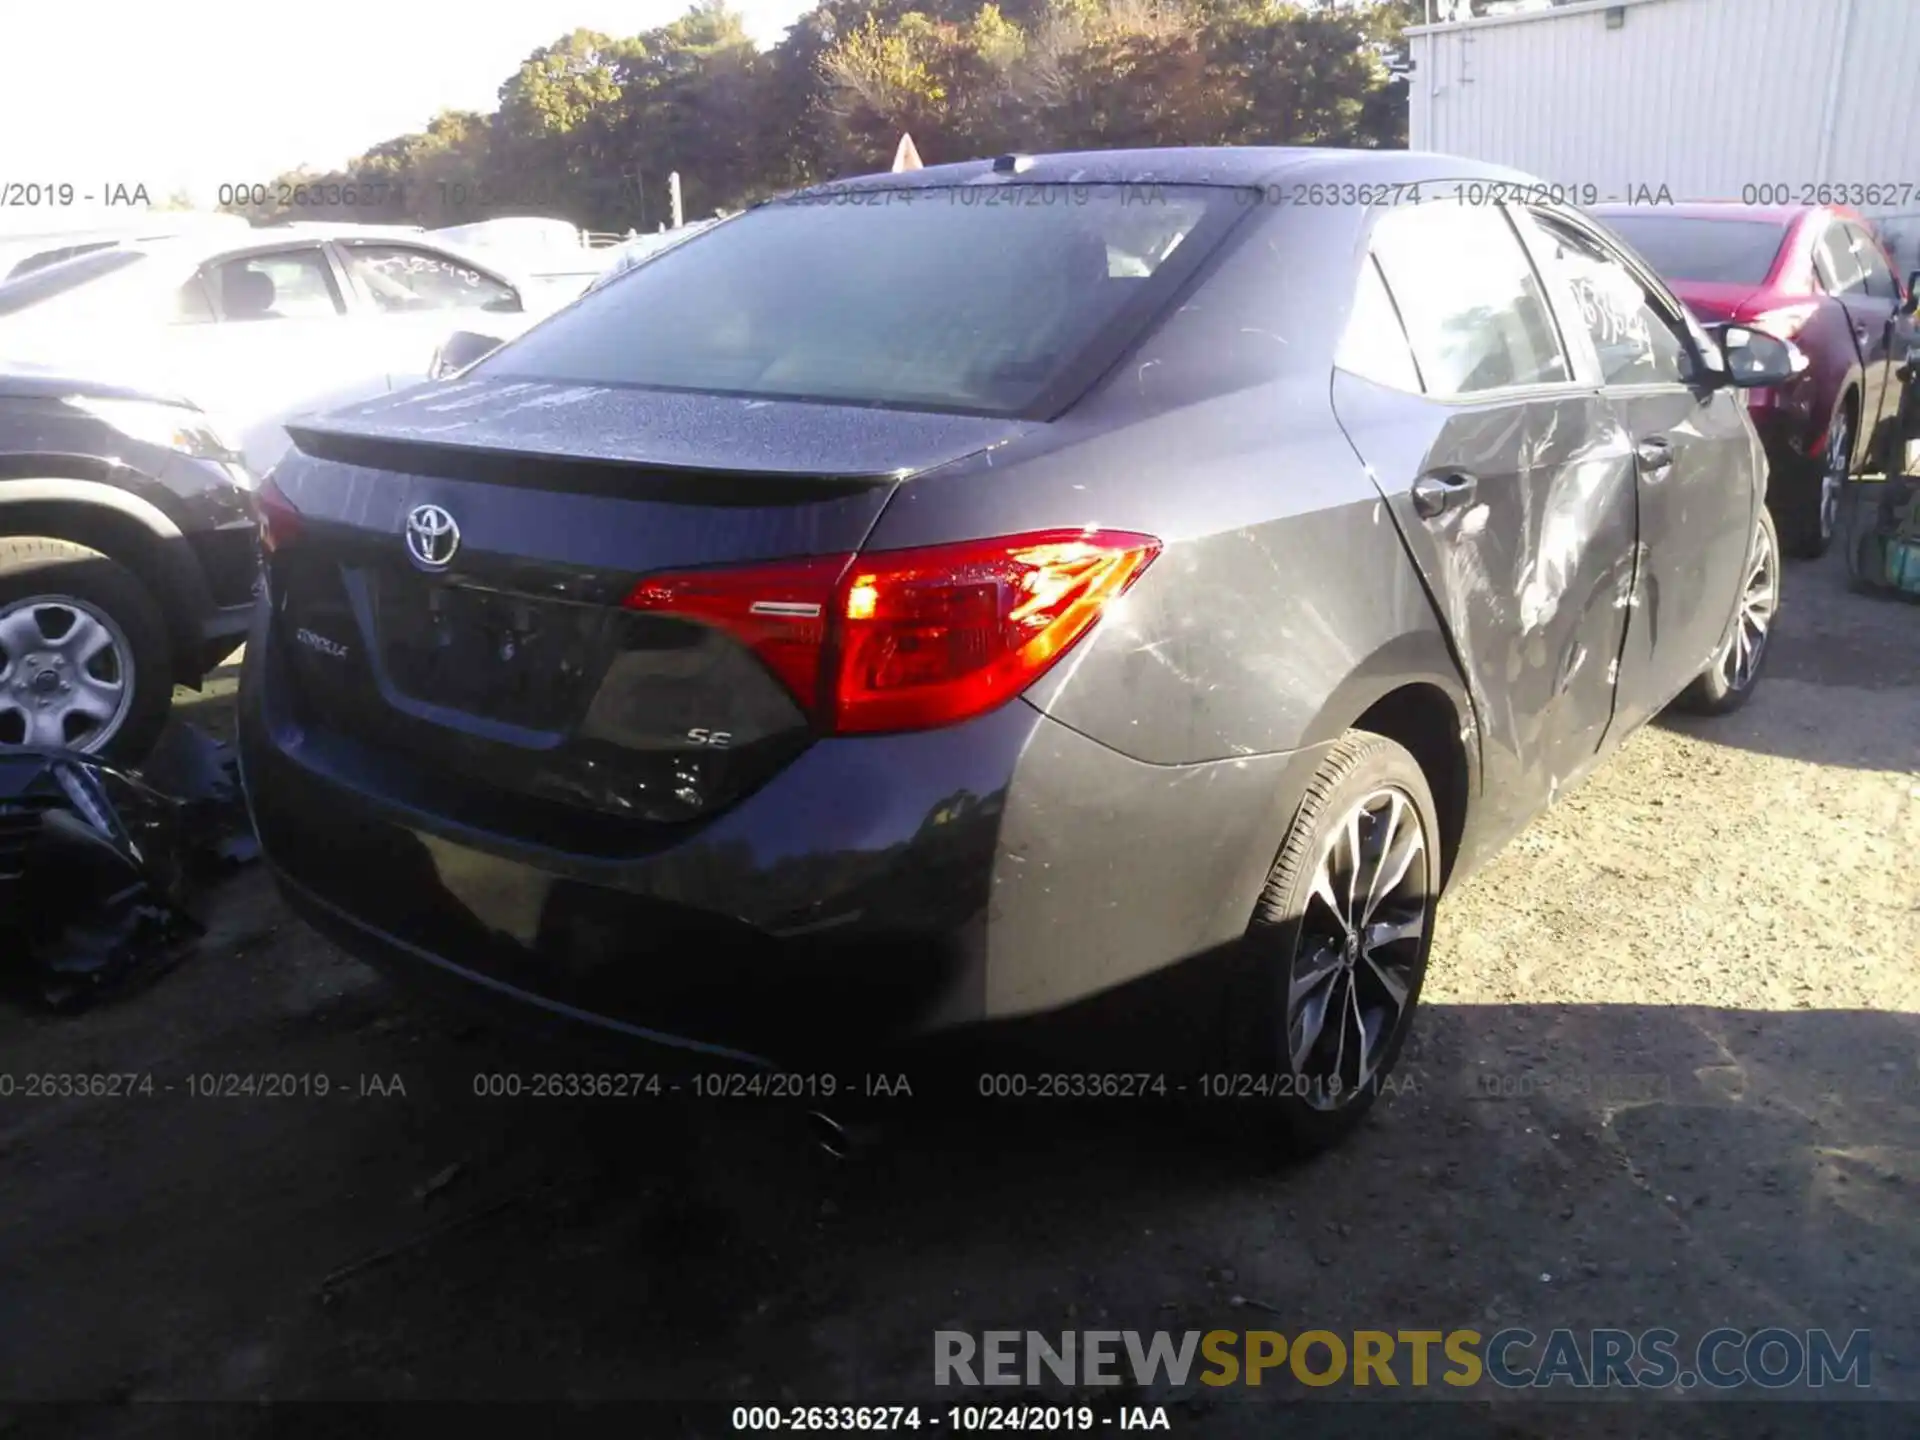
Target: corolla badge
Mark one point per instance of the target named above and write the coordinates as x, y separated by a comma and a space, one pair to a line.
432, 537
316, 641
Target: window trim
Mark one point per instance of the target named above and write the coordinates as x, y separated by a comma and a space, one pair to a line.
1575, 384
217, 293
1370, 264
1659, 295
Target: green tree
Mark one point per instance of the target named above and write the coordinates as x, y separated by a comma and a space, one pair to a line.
589, 127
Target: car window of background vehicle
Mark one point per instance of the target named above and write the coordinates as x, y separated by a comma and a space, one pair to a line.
1374, 346
962, 298
1473, 308
405, 280
1683, 247
53, 257
67, 276
1839, 267
193, 303
1635, 342
1873, 266
284, 285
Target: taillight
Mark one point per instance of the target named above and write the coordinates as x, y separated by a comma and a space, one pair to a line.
913, 639
279, 519
777, 611
928, 637
1783, 322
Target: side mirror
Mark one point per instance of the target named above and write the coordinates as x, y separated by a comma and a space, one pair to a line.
461, 349
1756, 359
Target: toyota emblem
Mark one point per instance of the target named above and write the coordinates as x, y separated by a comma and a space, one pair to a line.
432, 537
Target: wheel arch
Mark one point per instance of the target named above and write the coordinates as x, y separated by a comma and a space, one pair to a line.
1410, 690
125, 528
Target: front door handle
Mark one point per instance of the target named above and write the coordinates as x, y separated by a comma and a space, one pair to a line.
1655, 457
1434, 495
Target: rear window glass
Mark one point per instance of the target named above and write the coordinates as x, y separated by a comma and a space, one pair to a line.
54, 257
953, 298
39, 285
1679, 247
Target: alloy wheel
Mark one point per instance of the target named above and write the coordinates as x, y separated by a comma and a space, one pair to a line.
1759, 599
1358, 949
1833, 473
66, 673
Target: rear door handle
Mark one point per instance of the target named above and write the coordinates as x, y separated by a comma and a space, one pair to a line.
1655, 457
1863, 335
1434, 495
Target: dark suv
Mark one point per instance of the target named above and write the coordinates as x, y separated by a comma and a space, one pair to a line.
127, 558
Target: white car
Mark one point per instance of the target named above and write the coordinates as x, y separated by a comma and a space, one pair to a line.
552, 256
643, 248
259, 328
25, 247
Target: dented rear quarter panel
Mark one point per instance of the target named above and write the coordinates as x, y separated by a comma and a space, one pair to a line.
1282, 606
1283, 603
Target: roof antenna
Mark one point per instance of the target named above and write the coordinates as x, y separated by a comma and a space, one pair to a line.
1012, 164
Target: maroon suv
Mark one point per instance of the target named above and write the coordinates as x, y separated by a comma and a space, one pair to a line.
1815, 275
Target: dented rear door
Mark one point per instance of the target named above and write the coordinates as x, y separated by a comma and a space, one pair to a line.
1511, 483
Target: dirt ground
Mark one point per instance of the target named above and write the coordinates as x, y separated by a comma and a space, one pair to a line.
1666, 1074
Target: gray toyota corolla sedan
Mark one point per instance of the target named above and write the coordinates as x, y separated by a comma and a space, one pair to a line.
941, 598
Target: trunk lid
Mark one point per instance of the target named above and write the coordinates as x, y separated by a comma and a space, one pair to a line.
1716, 302
512, 666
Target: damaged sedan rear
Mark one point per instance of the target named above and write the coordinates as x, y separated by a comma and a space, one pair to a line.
957, 595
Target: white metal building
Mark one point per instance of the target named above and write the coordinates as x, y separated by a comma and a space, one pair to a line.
1708, 98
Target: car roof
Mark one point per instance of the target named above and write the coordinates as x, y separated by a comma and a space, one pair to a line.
1723, 210
1190, 165
338, 229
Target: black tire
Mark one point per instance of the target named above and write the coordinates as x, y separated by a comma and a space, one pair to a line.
1728, 682
33, 566
1806, 525
1300, 1107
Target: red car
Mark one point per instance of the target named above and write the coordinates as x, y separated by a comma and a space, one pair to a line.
1815, 275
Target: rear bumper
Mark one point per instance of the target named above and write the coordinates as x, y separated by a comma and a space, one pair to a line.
875, 891
484, 995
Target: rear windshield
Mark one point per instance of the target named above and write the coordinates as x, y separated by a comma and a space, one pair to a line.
39, 285
1001, 300
1680, 247
54, 257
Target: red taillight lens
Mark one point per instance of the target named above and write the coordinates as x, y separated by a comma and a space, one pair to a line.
279, 520
912, 639
929, 637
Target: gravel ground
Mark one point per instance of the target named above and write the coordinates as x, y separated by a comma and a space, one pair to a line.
1665, 1075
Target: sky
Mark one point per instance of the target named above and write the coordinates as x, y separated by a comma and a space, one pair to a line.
100, 93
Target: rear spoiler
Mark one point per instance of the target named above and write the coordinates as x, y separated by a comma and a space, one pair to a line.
630, 480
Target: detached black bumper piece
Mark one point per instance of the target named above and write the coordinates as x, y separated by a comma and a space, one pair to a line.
91, 886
